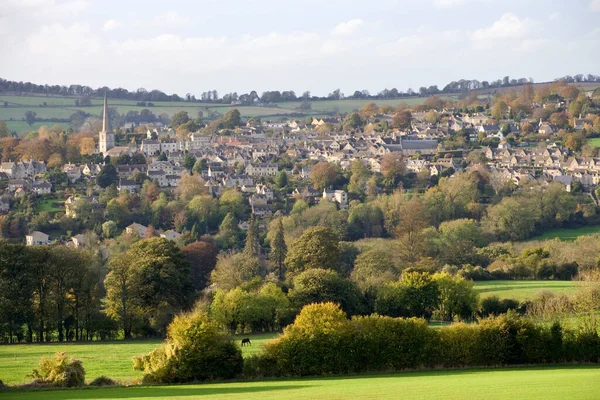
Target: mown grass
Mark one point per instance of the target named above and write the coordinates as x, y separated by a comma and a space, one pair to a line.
21, 127
568, 233
50, 205
113, 359
594, 142
549, 383
522, 290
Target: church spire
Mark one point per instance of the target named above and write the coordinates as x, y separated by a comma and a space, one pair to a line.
105, 124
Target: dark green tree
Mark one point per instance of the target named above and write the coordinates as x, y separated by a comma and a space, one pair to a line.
279, 249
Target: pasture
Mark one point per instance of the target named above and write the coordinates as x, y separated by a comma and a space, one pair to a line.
568, 234
63, 107
549, 383
522, 290
594, 142
113, 359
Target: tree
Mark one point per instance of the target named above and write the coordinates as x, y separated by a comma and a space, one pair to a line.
4, 131
402, 120
574, 141
352, 121
393, 167
231, 119
323, 175
457, 297
190, 185
196, 350
413, 219
30, 117
202, 257
234, 269
152, 280
499, 110
281, 180
320, 286
252, 247
374, 268
179, 118
457, 241
189, 161
365, 220
510, 219
358, 179
318, 247
107, 176
279, 248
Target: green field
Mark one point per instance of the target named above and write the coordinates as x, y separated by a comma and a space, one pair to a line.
549, 383
64, 107
568, 234
113, 359
522, 290
50, 205
594, 142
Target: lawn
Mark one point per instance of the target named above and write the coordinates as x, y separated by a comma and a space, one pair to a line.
113, 359
50, 205
594, 142
522, 290
23, 127
568, 234
549, 383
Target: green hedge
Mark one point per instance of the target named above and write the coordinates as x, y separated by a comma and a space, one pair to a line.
323, 341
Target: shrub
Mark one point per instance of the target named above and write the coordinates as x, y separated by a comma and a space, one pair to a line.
492, 305
103, 381
195, 350
60, 371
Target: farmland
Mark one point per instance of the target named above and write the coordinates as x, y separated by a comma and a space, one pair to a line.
62, 108
594, 142
579, 382
112, 359
522, 290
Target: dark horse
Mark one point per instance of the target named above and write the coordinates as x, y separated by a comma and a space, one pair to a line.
246, 342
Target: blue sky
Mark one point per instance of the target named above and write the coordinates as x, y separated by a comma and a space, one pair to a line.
317, 45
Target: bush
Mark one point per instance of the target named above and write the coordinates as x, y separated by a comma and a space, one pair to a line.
59, 371
323, 341
195, 350
103, 381
492, 305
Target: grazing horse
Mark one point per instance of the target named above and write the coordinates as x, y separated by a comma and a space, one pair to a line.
246, 342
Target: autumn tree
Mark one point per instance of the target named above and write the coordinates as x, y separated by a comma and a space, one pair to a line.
402, 120
323, 175
393, 167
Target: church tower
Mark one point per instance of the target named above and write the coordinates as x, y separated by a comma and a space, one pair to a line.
107, 138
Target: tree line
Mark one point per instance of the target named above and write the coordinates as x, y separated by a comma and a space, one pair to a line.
212, 96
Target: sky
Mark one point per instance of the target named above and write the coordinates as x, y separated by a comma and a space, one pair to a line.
317, 45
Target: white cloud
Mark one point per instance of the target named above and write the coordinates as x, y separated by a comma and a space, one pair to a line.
346, 28
171, 18
509, 26
449, 3
554, 17
111, 24
595, 5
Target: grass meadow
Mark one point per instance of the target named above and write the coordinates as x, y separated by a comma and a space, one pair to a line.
594, 142
522, 290
548, 383
64, 107
568, 233
112, 359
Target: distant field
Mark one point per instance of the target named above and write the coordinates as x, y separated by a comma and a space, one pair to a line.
22, 126
63, 107
594, 142
522, 290
113, 359
548, 383
569, 234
